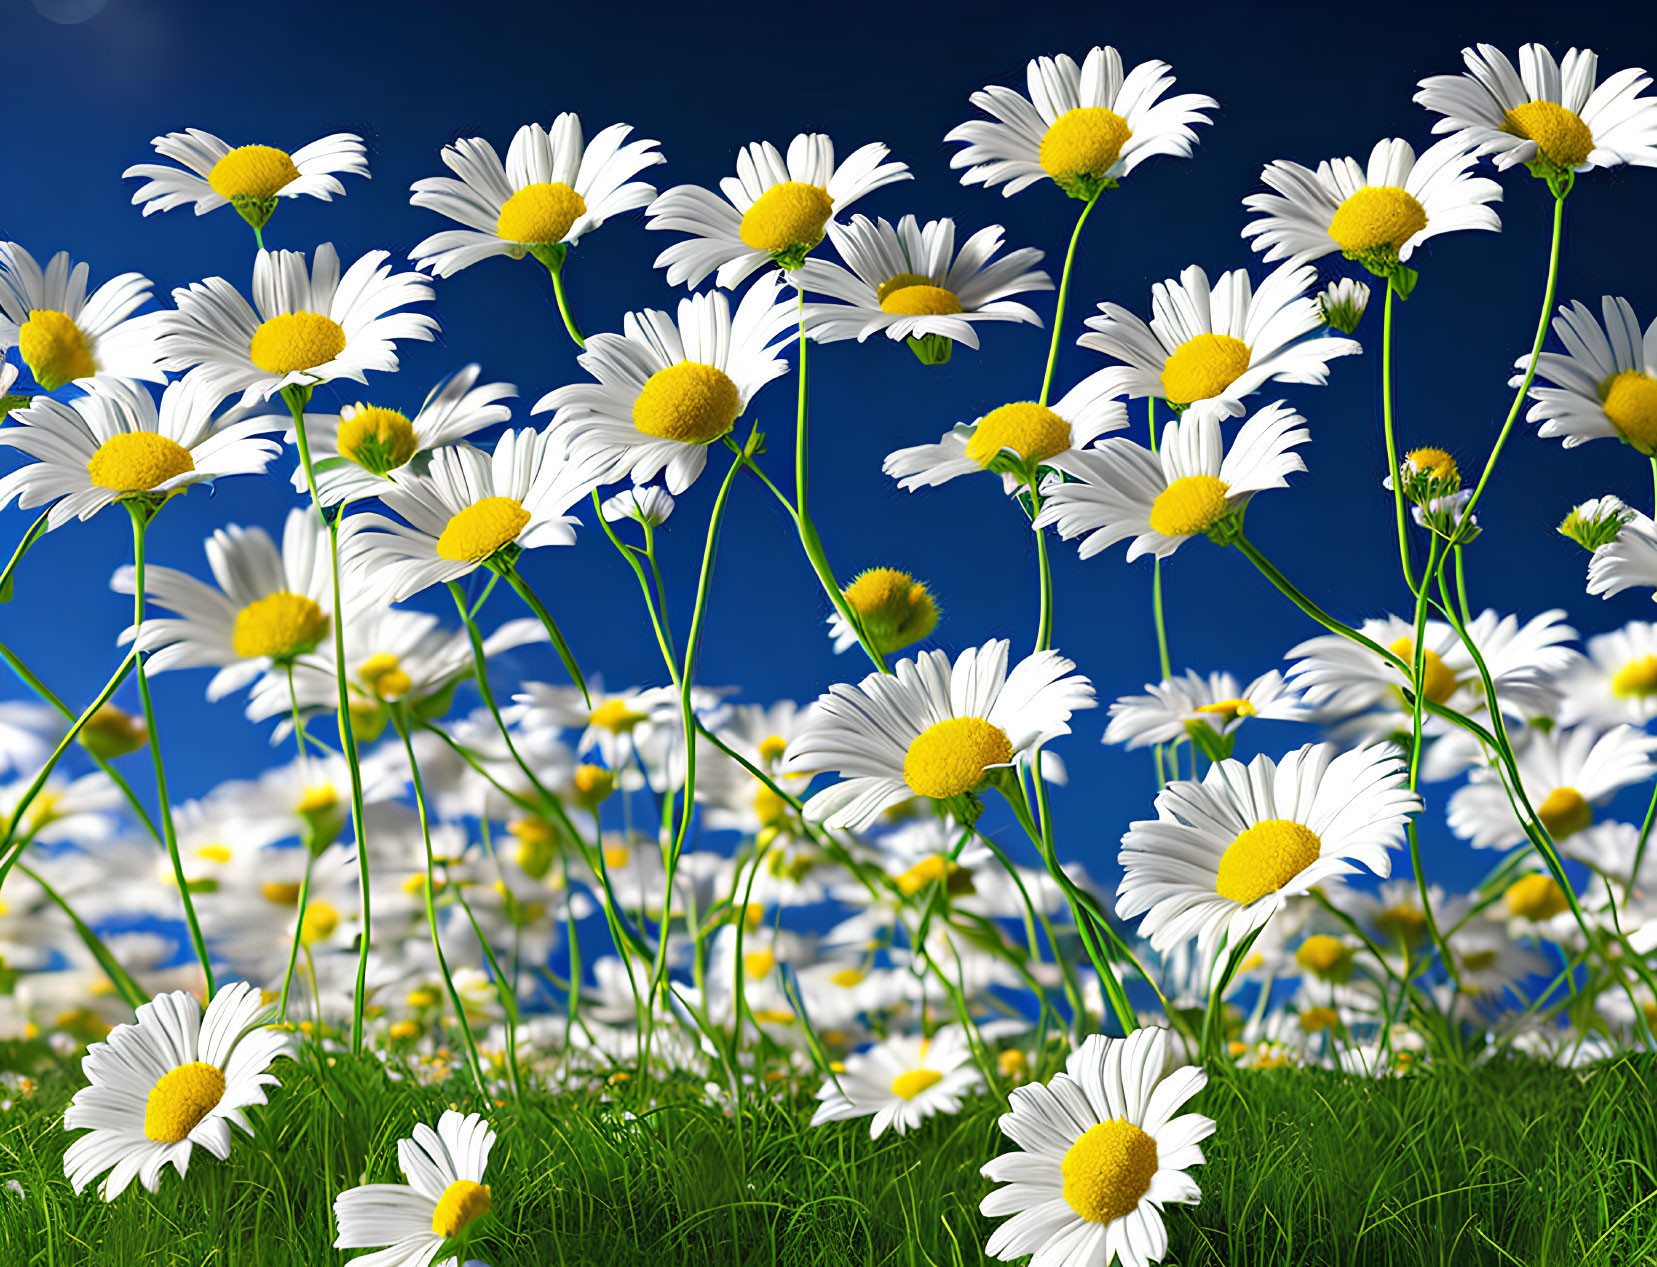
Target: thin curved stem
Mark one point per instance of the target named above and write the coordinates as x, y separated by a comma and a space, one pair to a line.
1394, 476
564, 307
1064, 297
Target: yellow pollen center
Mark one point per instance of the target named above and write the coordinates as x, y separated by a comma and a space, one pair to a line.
789, 214
617, 856
253, 172
540, 215
319, 799
1404, 923
279, 625
320, 922
280, 892
1228, 708
1012, 1063
906, 1086
1561, 137
462, 1203
180, 1099
54, 349
1191, 504
1636, 678
1479, 960
688, 402
1630, 402
847, 978
475, 533
911, 295
593, 783
376, 439
1375, 217
1536, 897
1086, 142
1322, 954
1435, 462
758, 963
1032, 431
294, 341
895, 609
1438, 680
770, 808
1316, 1019
1264, 858
957, 879
1108, 1170
213, 853
614, 715
949, 757
772, 747
383, 674
1204, 366
1564, 812
137, 461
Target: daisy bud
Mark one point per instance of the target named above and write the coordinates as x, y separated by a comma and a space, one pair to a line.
648, 504
593, 784
1342, 304
113, 732
894, 608
1596, 523
378, 440
1448, 517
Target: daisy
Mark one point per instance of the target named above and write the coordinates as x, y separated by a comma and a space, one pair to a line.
1377, 214
66, 336
114, 445
773, 211
553, 188
1617, 682
1084, 127
902, 1082
893, 608
666, 391
1101, 1153
308, 799
1182, 706
932, 729
175, 1079
469, 509
268, 606
1604, 383
1224, 854
444, 1196
1016, 441
910, 282
1565, 774
357, 452
305, 326
1627, 560
1547, 113
81, 812
1208, 347
1190, 485
249, 178
649, 504
1343, 303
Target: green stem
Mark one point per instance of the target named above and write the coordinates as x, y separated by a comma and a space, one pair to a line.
1394, 476
129, 990
515, 579
564, 307
298, 936
1064, 296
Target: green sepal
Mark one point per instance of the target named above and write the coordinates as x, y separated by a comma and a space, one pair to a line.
931, 349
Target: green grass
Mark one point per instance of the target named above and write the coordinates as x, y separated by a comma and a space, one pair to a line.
1517, 1163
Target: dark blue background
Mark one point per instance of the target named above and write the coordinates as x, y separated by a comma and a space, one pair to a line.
1293, 82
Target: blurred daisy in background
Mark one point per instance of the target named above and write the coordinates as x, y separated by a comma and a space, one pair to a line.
65, 335
901, 1082
1604, 382
1616, 681
1176, 707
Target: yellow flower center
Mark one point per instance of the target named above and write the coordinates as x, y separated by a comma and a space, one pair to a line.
1316, 1019
1228, 709
1264, 858
137, 461
320, 922
483, 528
1108, 1170
1561, 137
1204, 366
1322, 954
180, 1099
1012, 1063
688, 402
1032, 431
593, 783
616, 856
280, 892
462, 1203
906, 1086
294, 341
1564, 812
771, 748
1636, 678
1407, 924
768, 806
847, 978
949, 757
1377, 216
957, 879
1191, 504
1479, 960
758, 963
614, 715
1630, 402
894, 608
1435, 462
213, 853
54, 349
1536, 897
1084, 142
789, 214
279, 625
1438, 680
253, 172
383, 674
319, 799
540, 215
376, 439
911, 295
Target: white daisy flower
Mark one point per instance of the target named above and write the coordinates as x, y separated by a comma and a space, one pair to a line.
649, 504
306, 325
666, 390
553, 188
932, 729
1377, 215
772, 210
1224, 854
1101, 1153
1627, 561
1084, 127
444, 1196
357, 452
1596, 522
175, 1079
1208, 347
249, 178
1015, 441
1343, 304
910, 282
467, 509
1565, 774
1546, 112
80, 811
308, 799
1617, 682
268, 605
65, 335
1604, 382
1175, 707
901, 1082
1190, 485
113, 444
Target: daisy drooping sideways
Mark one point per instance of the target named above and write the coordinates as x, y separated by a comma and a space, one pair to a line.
174, 1079
1082, 127
1101, 1152
65, 335
901, 1082
1603, 384
932, 729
